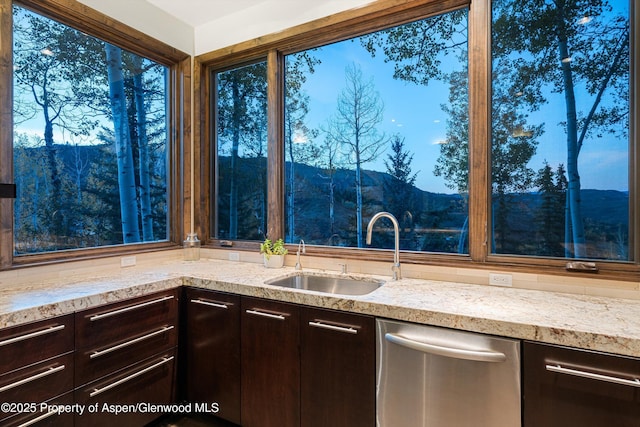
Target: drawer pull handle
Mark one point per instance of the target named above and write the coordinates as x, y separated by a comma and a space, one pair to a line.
126, 309
452, 352
210, 303
264, 314
98, 391
32, 335
590, 375
99, 353
46, 373
347, 329
38, 419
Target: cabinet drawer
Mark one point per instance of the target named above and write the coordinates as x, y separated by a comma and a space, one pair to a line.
37, 383
94, 363
45, 419
148, 382
564, 386
110, 324
31, 343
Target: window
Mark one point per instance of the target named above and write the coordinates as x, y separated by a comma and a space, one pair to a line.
560, 129
90, 140
375, 124
92, 125
457, 119
241, 157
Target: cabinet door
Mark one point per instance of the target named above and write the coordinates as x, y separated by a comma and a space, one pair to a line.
212, 351
337, 369
568, 387
270, 364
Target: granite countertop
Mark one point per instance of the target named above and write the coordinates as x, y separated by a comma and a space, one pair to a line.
597, 323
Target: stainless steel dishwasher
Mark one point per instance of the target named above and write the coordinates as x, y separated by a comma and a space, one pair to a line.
436, 377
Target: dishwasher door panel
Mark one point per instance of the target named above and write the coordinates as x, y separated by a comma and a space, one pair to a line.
436, 377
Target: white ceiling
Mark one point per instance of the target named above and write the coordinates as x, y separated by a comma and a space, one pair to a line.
200, 26
199, 12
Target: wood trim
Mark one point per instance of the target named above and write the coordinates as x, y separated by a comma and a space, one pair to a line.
204, 154
181, 148
6, 129
275, 145
89, 253
92, 22
479, 129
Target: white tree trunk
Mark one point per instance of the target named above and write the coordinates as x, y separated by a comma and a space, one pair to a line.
143, 153
126, 170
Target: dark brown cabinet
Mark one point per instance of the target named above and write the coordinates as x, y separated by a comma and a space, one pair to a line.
212, 351
125, 354
131, 391
306, 367
36, 366
337, 369
568, 387
270, 364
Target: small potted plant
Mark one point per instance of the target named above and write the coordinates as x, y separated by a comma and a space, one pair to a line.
273, 253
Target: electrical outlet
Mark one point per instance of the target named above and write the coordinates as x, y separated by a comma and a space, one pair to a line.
128, 261
500, 279
234, 256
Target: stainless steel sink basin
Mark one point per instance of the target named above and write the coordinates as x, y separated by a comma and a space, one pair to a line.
328, 284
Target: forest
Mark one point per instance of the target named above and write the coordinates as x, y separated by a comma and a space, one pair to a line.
90, 138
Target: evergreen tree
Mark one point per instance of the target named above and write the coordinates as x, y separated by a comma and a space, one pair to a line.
399, 191
549, 217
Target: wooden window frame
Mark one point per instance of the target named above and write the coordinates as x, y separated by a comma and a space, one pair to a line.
89, 21
353, 23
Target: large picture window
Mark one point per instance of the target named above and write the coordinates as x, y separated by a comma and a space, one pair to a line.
560, 129
379, 123
90, 140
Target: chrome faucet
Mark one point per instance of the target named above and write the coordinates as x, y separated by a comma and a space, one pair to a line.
304, 250
397, 273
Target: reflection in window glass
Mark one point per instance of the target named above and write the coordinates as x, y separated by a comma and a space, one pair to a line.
560, 140
241, 144
90, 140
380, 123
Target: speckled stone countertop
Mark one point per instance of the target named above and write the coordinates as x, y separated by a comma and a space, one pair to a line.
597, 323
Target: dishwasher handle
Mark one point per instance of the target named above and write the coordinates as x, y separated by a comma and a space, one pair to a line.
452, 352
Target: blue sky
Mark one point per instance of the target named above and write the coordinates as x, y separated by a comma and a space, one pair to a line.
414, 112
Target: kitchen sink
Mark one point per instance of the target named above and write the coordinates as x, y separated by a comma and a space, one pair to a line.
329, 284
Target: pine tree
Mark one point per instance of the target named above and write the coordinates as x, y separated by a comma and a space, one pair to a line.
550, 216
399, 193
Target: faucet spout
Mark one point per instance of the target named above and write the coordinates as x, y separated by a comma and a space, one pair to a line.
397, 273
304, 250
